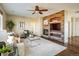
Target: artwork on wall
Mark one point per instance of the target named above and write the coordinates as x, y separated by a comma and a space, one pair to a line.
22, 25
46, 22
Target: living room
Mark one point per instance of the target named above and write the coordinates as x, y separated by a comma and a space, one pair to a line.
47, 26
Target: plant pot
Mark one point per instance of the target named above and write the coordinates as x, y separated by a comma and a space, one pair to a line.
4, 54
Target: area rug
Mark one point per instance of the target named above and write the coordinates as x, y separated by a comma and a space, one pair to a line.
43, 47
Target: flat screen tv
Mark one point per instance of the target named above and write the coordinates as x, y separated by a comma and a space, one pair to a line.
55, 26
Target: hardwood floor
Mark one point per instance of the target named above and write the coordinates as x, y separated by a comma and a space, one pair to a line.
74, 41
72, 49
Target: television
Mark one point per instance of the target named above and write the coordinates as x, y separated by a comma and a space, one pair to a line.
55, 26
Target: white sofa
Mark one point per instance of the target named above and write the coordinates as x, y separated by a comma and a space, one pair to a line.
3, 36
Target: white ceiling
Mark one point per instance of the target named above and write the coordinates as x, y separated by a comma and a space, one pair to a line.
21, 9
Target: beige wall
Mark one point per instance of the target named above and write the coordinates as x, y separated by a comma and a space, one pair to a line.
4, 17
32, 24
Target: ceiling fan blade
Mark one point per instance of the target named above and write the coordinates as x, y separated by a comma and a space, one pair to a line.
37, 9
44, 10
40, 12
33, 12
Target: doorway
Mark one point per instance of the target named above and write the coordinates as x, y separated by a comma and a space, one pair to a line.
74, 41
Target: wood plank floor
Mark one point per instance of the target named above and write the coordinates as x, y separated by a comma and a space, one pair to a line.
72, 49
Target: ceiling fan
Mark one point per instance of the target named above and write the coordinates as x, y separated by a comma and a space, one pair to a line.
37, 9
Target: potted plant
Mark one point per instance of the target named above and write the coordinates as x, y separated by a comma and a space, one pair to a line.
4, 51
10, 25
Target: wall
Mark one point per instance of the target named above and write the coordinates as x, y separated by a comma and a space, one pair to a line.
66, 18
32, 24
69, 16
38, 26
76, 27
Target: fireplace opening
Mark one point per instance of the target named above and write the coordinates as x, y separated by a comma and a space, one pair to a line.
55, 27
45, 31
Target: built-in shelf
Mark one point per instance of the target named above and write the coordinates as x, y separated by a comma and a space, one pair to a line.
46, 36
56, 32
56, 38
53, 26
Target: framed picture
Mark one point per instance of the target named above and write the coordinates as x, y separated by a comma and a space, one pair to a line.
22, 25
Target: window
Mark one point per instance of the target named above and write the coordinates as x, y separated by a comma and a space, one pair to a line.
1, 22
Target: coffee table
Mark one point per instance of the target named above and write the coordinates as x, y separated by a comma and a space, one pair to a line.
32, 41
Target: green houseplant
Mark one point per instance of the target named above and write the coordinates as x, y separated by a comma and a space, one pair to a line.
5, 49
10, 25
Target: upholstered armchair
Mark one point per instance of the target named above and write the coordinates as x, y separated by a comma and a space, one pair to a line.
25, 34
